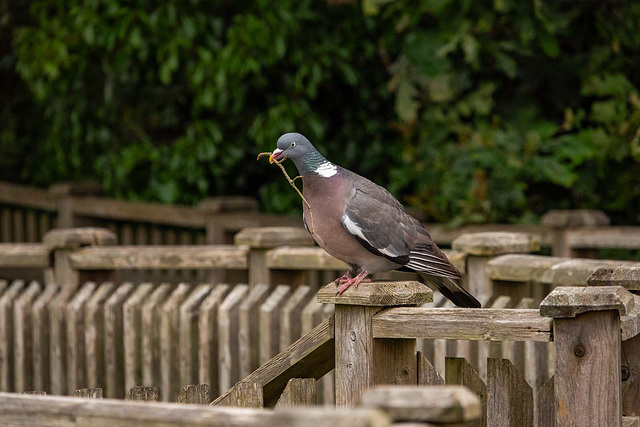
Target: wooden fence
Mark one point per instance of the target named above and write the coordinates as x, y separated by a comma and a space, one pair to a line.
27, 213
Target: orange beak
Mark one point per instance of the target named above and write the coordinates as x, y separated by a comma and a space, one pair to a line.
275, 155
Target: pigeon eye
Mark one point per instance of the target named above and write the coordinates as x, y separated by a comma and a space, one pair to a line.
293, 144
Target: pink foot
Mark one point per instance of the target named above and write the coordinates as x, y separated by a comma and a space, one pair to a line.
344, 278
355, 282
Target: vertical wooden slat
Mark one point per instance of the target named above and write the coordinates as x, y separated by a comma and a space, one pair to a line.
631, 376
459, 371
94, 335
40, 336
270, 322
75, 337
18, 226
208, 350
126, 234
509, 397
44, 224
189, 335
133, 331
31, 227
151, 335
7, 366
198, 394
245, 395
298, 392
249, 334
427, 374
142, 394
488, 349
113, 341
169, 339
142, 234
546, 404
23, 337
290, 325
439, 346
228, 328
5, 218
88, 393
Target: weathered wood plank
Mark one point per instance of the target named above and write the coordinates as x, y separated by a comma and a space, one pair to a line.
249, 329
208, 350
427, 374
303, 258
244, 395
546, 404
169, 342
198, 394
7, 366
298, 392
142, 394
23, 330
312, 356
491, 243
114, 342
427, 404
487, 324
94, 334
631, 376
40, 335
27, 196
133, 332
76, 363
270, 322
228, 329
27, 255
290, 324
188, 334
379, 294
569, 301
88, 393
510, 398
151, 310
161, 257
460, 372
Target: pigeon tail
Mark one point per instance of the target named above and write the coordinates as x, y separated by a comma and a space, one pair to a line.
452, 290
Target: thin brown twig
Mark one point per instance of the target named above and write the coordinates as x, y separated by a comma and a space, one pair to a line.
291, 183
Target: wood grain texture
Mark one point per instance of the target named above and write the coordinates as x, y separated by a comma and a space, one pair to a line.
460, 372
631, 384
40, 335
290, 324
249, 333
114, 342
430, 404
142, 394
27, 411
298, 392
303, 258
88, 393
427, 374
588, 352
520, 268
75, 353
228, 330
378, 294
312, 356
569, 301
271, 237
159, 257
627, 276
151, 310
491, 243
24, 255
132, 325
94, 334
7, 366
198, 394
509, 397
546, 404
188, 334
270, 322
23, 340
489, 324
208, 350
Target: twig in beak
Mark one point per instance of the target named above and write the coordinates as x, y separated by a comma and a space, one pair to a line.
291, 182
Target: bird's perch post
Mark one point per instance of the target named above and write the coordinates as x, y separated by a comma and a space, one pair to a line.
360, 360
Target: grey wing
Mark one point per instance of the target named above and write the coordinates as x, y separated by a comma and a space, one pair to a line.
380, 223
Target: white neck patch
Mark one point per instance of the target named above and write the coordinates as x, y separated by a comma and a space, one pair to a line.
327, 169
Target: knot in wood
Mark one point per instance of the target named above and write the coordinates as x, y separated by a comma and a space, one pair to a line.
626, 373
352, 335
579, 351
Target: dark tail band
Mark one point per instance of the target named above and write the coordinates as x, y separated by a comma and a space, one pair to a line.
453, 291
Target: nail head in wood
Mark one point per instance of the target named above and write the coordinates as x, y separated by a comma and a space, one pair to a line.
378, 294
435, 404
270, 237
627, 276
569, 301
495, 243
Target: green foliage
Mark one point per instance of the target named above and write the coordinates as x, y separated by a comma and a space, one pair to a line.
471, 110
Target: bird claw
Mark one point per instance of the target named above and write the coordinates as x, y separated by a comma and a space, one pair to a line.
360, 278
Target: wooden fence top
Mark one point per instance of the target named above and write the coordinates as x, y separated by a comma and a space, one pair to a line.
569, 301
495, 243
435, 404
303, 258
558, 218
270, 237
550, 270
627, 276
30, 197
73, 238
32, 255
228, 204
379, 294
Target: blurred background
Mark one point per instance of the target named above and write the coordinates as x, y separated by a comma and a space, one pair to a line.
469, 111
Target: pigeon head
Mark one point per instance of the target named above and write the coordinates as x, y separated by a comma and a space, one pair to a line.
297, 147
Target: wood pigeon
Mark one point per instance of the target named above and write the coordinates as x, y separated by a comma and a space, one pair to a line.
362, 224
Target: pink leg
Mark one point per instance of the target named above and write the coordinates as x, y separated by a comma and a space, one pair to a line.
355, 281
345, 277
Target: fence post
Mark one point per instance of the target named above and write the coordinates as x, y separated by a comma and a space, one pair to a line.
481, 248
586, 329
260, 240
360, 360
563, 221
62, 242
627, 276
218, 211
64, 193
